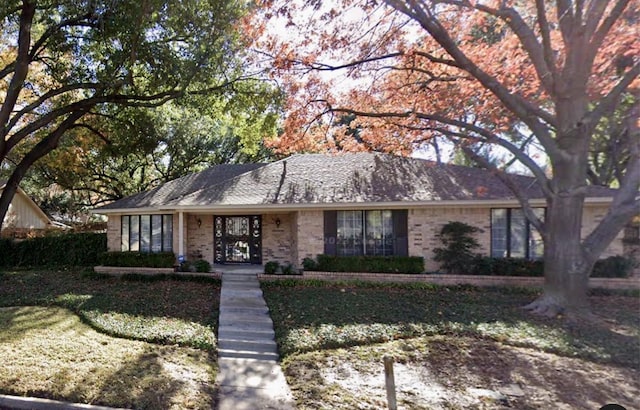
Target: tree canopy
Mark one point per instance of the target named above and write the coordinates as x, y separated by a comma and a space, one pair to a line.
535, 78
67, 65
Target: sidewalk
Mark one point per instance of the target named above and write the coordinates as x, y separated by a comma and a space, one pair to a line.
249, 375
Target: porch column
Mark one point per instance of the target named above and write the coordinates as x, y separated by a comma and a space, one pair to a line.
181, 236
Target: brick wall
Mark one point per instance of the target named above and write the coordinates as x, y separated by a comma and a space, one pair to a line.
278, 241
114, 233
199, 238
591, 217
301, 233
425, 223
310, 234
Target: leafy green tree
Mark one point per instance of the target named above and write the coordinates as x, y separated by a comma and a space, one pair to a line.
64, 63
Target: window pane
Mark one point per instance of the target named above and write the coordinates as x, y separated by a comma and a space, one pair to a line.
167, 233
134, 238
156, 233
379, 233
124, 240
518, 245
499, 233
536, 245
349, 233
145, 233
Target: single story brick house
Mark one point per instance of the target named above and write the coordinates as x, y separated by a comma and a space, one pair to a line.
345, 204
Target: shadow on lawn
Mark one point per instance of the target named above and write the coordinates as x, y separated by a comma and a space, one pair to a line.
22, 320
174, 304
141, 383
565, 380
319, 317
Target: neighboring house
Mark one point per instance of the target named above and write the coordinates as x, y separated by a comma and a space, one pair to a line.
347, 204
24, 214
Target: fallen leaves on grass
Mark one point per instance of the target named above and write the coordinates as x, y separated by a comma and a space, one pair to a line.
48, 352
440, 372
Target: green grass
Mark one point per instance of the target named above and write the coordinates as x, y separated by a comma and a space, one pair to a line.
164, 311
48, 352
314, 316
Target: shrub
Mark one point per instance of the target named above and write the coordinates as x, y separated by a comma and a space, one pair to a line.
271, 267
484, 265
60, 249
202, 266
456, 255
613, 267
138, 259
379, 264
288, 270
309, 264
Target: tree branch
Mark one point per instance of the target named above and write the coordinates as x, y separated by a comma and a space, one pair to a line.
20, 71
531, 115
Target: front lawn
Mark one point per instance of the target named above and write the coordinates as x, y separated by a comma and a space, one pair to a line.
459, 347
139, 344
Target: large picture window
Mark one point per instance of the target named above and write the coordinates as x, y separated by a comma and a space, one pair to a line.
512, 236
366, 232
147, 233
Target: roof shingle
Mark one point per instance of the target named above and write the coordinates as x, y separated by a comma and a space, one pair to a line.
342, 178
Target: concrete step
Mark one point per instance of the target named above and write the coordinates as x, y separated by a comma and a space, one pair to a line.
256, 310
223, 353
232, 332
255, 292
268, 346
245, 318
251, 326
241, 285
240, 276
233, 303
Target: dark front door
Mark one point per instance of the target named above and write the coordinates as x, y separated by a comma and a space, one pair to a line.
238, 239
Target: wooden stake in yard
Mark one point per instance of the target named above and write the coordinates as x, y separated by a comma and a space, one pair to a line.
390, 383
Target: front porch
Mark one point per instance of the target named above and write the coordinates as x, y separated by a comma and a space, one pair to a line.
230, 239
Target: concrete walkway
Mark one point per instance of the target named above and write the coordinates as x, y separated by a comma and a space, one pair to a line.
249, 375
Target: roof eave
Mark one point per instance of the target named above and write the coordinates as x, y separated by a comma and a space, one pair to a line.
467, 203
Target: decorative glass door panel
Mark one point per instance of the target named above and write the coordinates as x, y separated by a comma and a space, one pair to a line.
238, 239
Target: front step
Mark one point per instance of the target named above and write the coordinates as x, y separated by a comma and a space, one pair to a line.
232, 332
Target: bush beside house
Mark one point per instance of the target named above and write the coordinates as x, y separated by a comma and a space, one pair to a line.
372, 264
55, 250
138, 259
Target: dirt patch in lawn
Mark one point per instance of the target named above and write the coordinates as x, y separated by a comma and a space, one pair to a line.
457, 373
48, 352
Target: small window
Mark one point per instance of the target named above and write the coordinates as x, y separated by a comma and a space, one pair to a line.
512, 236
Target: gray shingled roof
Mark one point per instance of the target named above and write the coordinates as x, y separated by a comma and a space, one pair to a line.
325, 179
181, 186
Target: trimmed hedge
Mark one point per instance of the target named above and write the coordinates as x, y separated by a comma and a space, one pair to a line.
66, 249
373, 264
138, 259
611, 267
484, 265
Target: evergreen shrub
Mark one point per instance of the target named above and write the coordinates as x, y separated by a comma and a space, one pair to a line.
371, 264
138, 259
56, 250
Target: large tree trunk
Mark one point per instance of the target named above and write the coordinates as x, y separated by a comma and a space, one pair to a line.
566, 267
